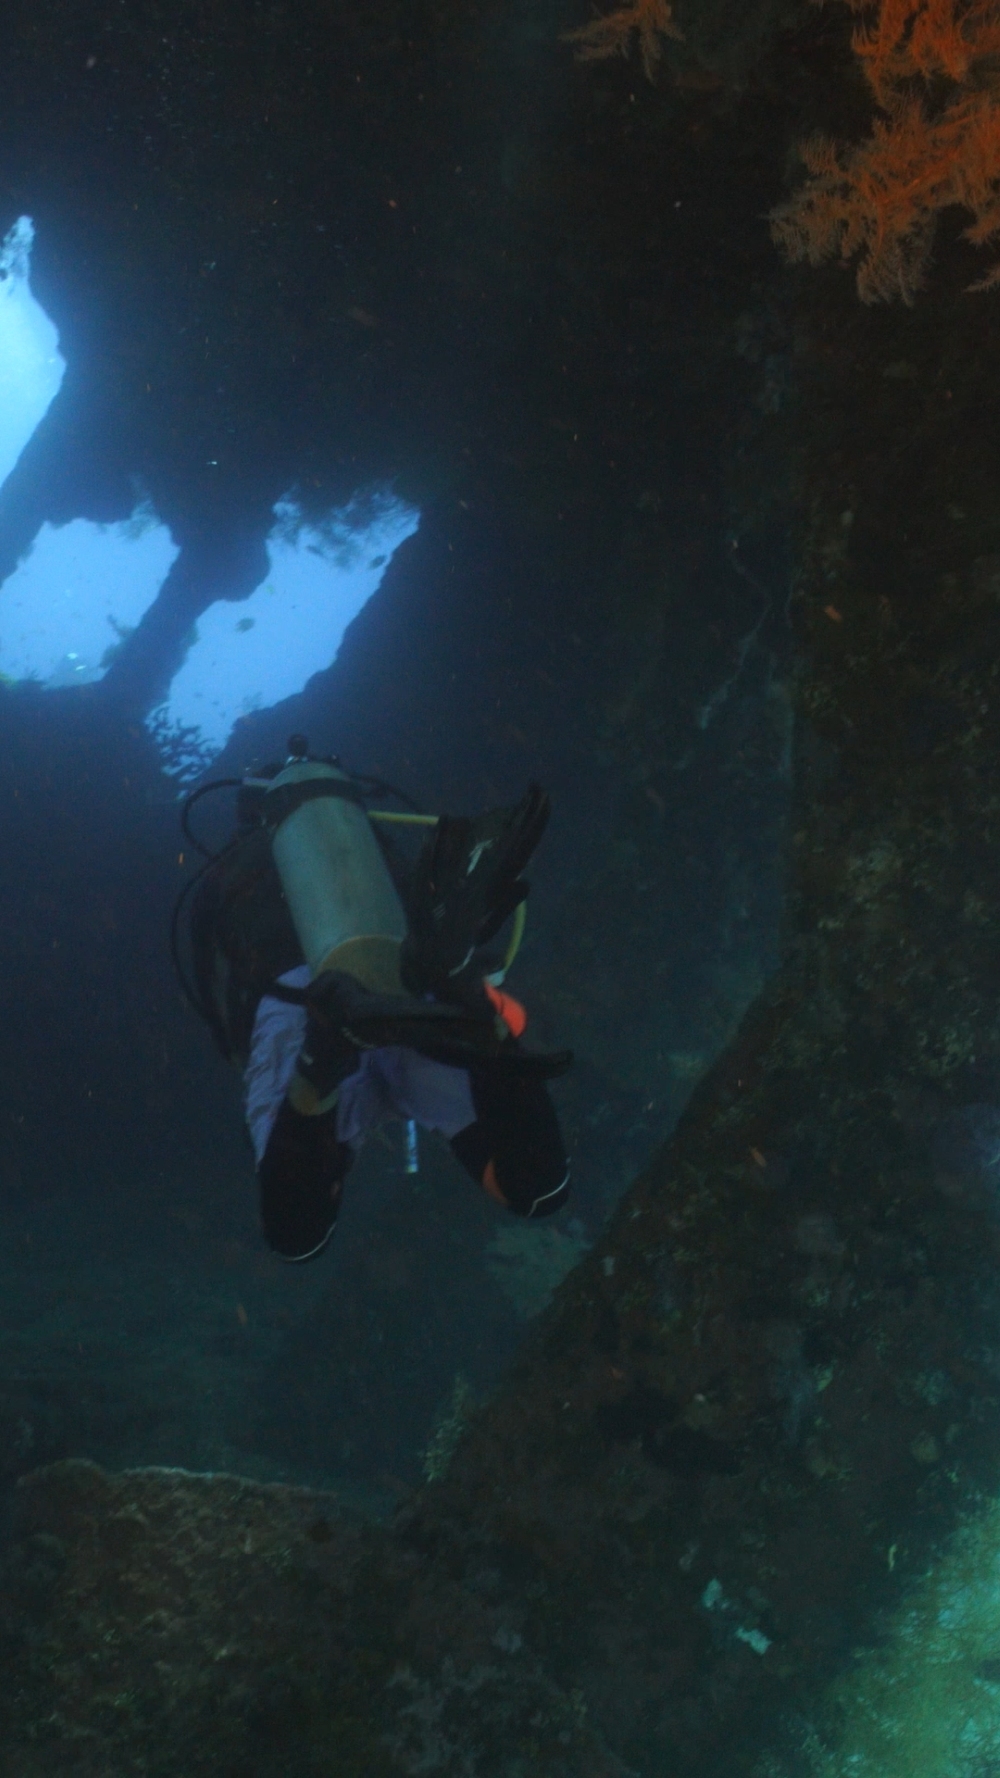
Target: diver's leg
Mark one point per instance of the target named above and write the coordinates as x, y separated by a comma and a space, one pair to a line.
301, 1176
515, 1147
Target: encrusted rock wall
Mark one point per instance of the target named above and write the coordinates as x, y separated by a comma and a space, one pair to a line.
773, 1388
159, 1621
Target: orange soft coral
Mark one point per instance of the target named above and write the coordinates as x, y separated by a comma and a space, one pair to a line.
925, 38
932, 67
611, 35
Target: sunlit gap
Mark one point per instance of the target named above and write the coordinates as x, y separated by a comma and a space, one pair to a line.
77, 595
80, 590
247, 655
31, 365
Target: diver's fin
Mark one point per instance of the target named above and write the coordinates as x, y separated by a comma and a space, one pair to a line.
466, 883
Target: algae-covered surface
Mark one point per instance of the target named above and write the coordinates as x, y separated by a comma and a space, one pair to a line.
924, 1698
160, 1621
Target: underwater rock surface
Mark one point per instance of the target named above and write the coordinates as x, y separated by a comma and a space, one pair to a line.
160, 1621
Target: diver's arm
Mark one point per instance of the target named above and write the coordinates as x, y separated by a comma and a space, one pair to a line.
515, 1147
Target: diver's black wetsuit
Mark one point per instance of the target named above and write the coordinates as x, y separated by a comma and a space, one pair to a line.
242, 941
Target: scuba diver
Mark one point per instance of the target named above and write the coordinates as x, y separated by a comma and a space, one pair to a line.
352, 983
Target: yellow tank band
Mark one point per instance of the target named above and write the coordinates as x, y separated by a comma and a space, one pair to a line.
517, 933
372, 959
303, 1097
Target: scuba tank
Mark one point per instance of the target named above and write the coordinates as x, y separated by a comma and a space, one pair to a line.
344, 904
241, 921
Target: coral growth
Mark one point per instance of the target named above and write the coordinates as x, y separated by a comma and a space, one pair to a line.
924, 38
931, 66
924, 1699
449, 1427
652, 20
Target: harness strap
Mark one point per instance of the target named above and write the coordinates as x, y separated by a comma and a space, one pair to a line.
441, 1032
